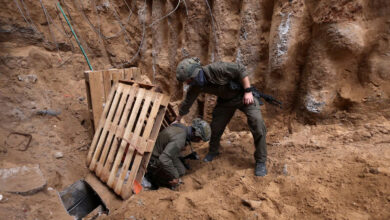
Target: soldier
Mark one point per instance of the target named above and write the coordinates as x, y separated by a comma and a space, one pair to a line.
217, 79
165, 167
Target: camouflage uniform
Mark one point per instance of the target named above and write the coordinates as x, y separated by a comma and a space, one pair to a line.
218, 76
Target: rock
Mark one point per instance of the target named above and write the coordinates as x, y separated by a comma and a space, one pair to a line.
285, 172
313, 105
384, 170
252, 204
345, 36
30, 78
58, 155
83, 148
140, 202
25, 180
17, 113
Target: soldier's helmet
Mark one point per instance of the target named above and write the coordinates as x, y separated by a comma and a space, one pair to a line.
188, 68
202, 129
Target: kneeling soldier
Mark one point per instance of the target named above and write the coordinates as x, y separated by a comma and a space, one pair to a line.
165, 167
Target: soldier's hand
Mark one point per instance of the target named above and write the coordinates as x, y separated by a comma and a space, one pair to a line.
177, 120
174, 182
248, 98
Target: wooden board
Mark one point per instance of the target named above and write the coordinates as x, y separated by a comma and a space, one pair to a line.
98, 85
125, 136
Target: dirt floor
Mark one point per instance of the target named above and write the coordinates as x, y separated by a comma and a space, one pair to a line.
330, 165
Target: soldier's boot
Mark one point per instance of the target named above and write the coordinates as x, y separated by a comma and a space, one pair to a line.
210, 156
261, 169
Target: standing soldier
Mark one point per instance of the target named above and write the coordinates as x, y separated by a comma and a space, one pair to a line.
219, 79
165, 166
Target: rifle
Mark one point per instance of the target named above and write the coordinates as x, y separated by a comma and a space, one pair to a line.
237, 86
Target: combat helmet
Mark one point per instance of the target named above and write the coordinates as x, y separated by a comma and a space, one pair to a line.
188, 68
202, 129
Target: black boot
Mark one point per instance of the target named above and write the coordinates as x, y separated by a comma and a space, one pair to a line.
261, 169
210, 156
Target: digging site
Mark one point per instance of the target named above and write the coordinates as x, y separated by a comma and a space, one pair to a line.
89, 88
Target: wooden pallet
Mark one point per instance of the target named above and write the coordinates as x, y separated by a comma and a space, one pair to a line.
98, 85
125, 137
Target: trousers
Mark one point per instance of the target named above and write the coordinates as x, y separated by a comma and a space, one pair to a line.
222, 114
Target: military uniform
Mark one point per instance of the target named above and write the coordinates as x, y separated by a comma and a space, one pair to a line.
218, 76
167, 149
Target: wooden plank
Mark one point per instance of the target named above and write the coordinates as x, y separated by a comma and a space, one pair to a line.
118, 133
98, 130
107, 83
118, 158
145, 137
153, 136
159, 118
136, 73
126, 189
117, 75
97, 97
128, 74
112, 130
144, 163
106, 127
133, 142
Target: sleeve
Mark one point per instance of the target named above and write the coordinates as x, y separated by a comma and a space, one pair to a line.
191, 95
171, 152
237, 71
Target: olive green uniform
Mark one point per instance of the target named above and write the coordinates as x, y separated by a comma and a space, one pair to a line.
218, 76
167, 149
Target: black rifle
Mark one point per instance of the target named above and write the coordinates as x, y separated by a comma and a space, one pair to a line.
237, 86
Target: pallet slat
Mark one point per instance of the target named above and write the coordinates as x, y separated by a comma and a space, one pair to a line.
106, 127
98, 83
99, 129
113, 127
127, 132
98, 98
119, 133
135, 140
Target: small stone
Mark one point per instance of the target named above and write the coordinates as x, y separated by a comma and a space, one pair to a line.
252, 204
1, 197
49, 189
374, 170
31, 78
81, 99
58, 155
285, 172
84, 147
